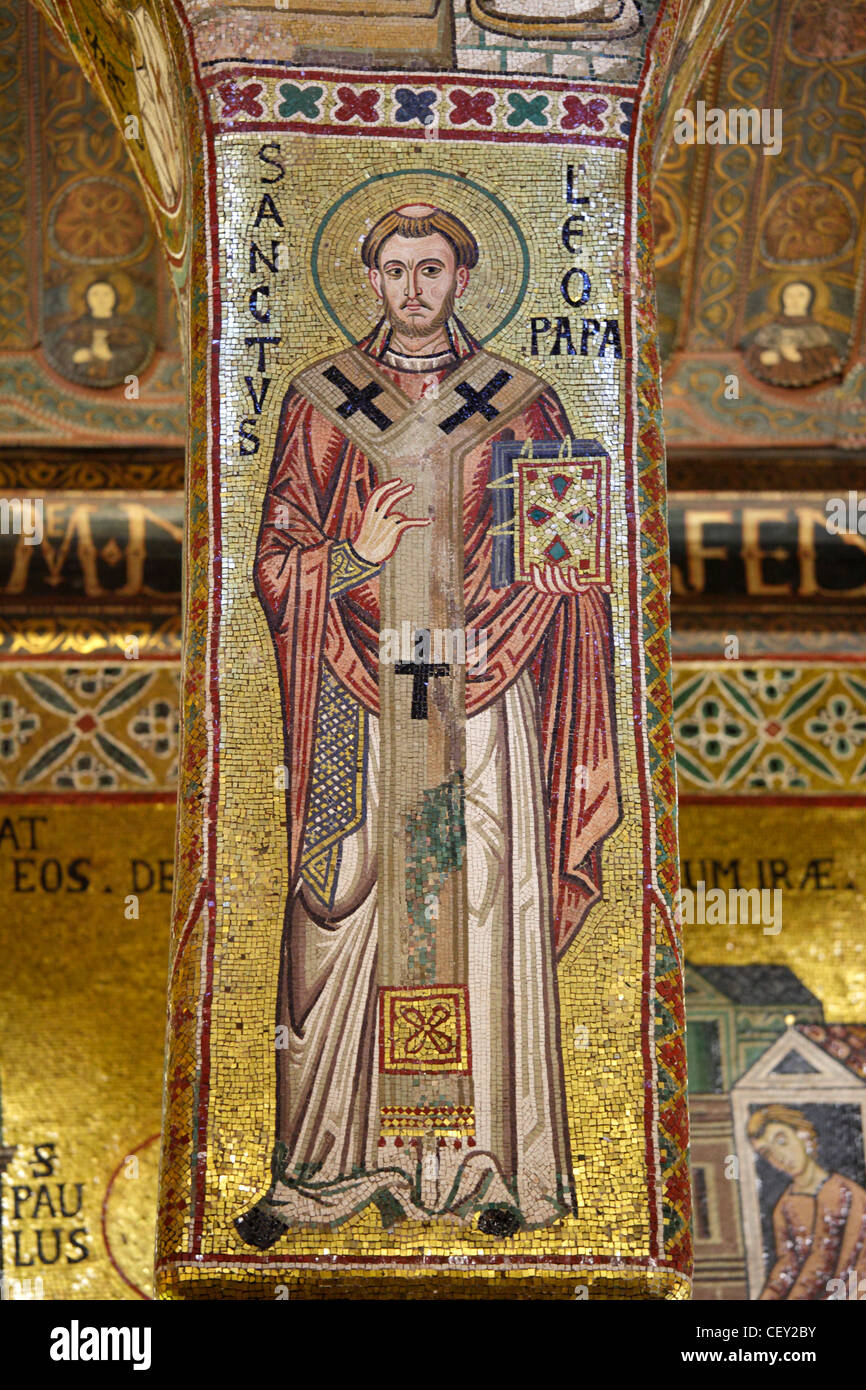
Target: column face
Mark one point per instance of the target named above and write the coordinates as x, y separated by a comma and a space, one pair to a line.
425, 994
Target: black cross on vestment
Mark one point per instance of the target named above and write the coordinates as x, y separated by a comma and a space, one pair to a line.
421, 671
477, 402
358, 398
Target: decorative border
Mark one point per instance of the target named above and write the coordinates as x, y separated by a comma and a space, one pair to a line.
33, 469
82, 637
322, 101
416, 1120
669, 1137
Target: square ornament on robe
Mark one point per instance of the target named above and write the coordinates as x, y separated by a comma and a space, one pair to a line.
424, 1029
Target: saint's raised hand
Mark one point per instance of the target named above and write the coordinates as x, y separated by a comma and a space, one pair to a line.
381, 528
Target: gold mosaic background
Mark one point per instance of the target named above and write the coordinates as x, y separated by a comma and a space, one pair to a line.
823, 935
82, 1023
87, 1077
599, 979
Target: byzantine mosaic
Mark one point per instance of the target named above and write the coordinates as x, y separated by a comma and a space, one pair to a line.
760, 249
326, 150
87, 321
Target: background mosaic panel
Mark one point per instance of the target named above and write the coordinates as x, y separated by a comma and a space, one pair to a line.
774, 1020
531, 108
82, 267
744, 992
83, 1022
88, 728
771, 728
735, 230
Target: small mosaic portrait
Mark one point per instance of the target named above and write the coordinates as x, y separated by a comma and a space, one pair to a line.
104, 341
814, 1228
793, 348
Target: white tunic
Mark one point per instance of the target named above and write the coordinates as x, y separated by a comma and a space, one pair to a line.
333, 1160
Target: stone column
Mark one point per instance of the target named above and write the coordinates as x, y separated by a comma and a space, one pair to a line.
268, 142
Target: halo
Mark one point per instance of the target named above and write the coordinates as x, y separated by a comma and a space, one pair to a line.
498, 282
122, 285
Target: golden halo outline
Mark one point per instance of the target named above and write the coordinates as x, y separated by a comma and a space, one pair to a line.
497, 284
120, 282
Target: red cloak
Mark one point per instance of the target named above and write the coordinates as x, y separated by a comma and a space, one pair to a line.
318, 488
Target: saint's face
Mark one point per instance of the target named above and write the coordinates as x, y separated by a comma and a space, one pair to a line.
796, 299
784, 1148
100, 299
418, 280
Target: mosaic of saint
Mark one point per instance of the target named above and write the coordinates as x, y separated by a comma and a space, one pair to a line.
432, 564
793, 349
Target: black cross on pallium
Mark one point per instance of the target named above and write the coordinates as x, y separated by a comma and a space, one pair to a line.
477, 402
358, 398
421, 671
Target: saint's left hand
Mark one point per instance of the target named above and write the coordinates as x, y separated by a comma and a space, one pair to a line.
552, 579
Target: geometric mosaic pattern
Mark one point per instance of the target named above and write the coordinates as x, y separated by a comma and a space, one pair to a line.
89, 728
337, 791
359, 104
763, 729
792, 729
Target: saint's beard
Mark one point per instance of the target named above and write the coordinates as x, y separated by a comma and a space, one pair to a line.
407, 326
